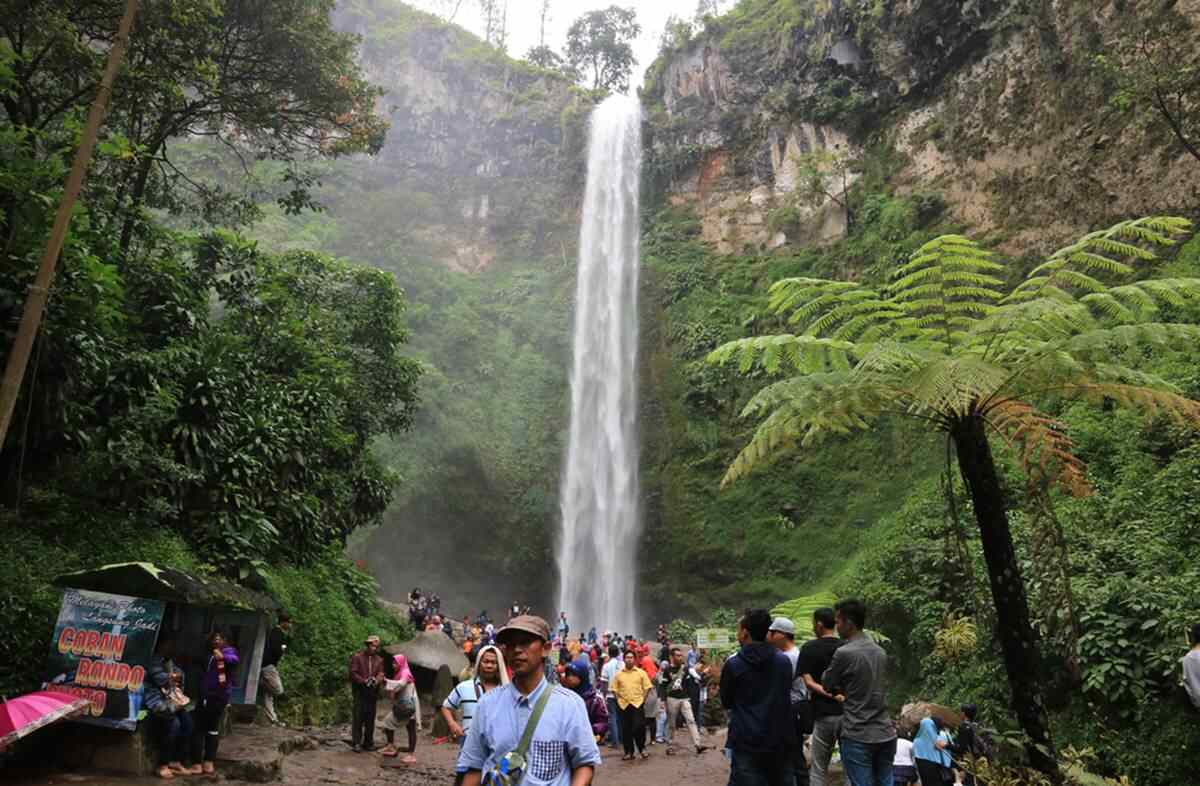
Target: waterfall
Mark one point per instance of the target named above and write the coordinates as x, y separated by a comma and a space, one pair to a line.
599, 499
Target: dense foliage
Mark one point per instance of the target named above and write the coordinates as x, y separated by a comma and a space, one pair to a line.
191, 399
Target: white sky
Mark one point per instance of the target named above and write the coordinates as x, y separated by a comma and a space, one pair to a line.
523, 22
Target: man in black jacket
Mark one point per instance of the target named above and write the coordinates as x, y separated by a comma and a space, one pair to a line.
273, 652
755, 689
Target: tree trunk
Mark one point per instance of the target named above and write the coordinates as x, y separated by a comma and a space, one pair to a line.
1018, 640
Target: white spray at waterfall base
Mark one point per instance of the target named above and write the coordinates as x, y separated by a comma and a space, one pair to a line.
599, 498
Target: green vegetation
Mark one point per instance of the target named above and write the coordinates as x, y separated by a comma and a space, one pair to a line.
947, 344
193, 400
819, 503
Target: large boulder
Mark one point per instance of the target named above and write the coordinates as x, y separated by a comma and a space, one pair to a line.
431, 649
913, 713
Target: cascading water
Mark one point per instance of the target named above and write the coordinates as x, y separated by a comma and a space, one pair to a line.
599, 499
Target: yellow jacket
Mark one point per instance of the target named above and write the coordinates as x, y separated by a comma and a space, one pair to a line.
630, 686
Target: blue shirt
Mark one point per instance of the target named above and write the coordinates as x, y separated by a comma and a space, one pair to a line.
924, 747
561, 743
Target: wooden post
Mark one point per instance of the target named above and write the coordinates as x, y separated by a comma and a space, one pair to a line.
39, 291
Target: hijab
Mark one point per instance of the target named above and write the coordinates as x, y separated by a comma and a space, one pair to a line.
585, 689
403, 672
499, 662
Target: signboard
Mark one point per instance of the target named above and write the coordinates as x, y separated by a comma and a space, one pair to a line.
101, 650
713, 639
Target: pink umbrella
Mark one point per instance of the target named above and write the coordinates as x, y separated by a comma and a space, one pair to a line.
26, 714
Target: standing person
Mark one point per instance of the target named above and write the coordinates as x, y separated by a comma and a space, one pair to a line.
929, 751
607, 675
970, 741
490, 673
216, 689
564, 630
1191, 668
591, 636
782, 636
529, 726
650, 708
273, 652
402, 689
681, 681
660, 696
815, 657
904, 767
632, 686
755, 686
366, 675
578, 678
857, 671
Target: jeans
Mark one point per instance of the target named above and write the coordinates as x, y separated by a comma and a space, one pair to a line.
824, 737
176, 737
868, 763
660, 724
759, 769
676, 707
614, 722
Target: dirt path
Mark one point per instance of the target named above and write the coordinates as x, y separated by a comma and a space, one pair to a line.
323, 756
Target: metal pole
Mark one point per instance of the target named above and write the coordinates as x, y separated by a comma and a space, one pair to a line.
39, 292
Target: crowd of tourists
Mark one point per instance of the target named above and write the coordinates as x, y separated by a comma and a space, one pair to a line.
541, 701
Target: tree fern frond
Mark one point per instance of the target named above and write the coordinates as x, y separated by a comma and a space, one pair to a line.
764, 350
1045, 451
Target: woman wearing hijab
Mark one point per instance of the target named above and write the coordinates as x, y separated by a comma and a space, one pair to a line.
929, 751
578, 679
403, 689
490, 673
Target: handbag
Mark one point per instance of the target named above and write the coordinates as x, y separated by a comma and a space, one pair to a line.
177, 699
511, 769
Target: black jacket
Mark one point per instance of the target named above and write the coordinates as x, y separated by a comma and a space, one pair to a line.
273, 651
755, 688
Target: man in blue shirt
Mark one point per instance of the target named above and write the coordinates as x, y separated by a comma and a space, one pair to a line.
563, 751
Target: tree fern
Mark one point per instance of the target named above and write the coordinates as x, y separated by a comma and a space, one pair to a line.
946, 343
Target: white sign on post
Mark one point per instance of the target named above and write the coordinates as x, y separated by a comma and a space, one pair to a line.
713, 639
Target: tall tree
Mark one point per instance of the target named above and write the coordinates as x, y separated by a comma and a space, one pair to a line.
267, 80
946, 344
600, 48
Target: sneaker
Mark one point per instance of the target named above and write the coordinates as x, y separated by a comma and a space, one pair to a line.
701, 749
354, 747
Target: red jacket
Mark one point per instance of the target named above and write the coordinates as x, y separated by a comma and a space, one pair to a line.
363, 666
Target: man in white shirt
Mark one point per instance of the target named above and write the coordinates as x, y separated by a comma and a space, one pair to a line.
1191, 668
609, 671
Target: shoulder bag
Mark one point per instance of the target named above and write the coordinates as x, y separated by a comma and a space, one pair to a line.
511, 769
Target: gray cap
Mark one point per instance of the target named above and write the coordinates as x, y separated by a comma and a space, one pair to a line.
783, 625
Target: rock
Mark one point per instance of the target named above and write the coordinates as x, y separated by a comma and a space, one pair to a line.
431, 649
913, 713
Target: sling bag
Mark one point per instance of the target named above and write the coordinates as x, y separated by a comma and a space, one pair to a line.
511, 769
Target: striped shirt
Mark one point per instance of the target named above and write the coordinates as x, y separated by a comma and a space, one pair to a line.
464, 697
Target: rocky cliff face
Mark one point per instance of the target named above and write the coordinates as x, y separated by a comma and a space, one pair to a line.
992, 103
482, 154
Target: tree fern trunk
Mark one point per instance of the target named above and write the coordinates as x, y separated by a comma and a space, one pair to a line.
1018, 639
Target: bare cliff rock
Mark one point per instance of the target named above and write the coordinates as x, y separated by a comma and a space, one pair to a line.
483, 154
995, 104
